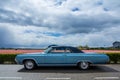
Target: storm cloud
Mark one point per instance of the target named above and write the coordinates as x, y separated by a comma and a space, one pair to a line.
6, 37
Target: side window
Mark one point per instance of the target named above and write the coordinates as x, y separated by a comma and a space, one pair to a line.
67, 50
57, 50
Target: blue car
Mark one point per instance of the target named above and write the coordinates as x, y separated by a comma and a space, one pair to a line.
61, 56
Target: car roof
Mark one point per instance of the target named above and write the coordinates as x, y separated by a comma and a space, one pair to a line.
63, 46
52, 45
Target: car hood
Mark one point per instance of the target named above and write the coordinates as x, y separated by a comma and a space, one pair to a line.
36, 53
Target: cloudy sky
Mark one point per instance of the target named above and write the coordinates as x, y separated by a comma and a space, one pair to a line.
39, 23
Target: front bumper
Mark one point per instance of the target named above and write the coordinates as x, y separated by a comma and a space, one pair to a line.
18, 62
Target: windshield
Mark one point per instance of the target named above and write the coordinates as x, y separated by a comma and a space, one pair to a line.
47, 50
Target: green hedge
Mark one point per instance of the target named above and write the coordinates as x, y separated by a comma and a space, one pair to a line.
114, 58
7, 58
10, 58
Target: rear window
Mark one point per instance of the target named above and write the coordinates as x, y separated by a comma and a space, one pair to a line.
76, 50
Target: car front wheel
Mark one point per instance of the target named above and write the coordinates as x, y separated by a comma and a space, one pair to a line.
29, 64
83, 65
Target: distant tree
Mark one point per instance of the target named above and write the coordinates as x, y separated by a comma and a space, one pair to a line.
2, 48
86, 47
80, 47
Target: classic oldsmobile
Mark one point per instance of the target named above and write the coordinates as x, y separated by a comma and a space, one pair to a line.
61, 56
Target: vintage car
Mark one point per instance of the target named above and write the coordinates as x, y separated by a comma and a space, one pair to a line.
61, 56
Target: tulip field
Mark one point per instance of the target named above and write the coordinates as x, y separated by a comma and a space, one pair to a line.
103, 51
12, 51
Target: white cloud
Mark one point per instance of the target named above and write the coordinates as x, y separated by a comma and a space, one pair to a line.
95, 23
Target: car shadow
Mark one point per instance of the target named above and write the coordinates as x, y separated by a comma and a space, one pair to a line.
92, 69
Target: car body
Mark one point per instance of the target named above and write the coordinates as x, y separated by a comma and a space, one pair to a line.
61, 56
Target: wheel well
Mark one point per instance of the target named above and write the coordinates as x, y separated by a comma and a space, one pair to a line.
28, 59
81, 61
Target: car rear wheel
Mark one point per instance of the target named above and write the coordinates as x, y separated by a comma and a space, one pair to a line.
83, 65
29, 64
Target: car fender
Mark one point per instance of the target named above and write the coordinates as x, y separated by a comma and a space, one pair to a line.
84, 61
30, 59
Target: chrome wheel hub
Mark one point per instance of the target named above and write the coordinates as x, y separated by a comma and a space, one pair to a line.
84, 65
29, 64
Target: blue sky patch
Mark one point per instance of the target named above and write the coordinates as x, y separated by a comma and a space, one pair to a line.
75, 9
53, 34
106, 9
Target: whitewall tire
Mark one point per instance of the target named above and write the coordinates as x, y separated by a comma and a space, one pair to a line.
83, 65
29, 64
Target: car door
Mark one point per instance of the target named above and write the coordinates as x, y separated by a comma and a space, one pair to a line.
55, 57
73, 58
